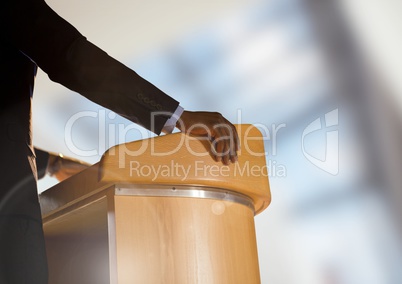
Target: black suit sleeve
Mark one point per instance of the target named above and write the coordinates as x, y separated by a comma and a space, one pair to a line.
69, 59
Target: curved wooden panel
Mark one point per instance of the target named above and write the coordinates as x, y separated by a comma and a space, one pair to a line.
178, 159
184, 241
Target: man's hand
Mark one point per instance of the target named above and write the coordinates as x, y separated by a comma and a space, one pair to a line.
63, 167
222, 134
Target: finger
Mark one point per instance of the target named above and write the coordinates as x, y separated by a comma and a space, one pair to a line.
231, 142
225, 150
213, 138
218, 144
233, 156
234, 135
214, 154
226, 157
236, 139
225, 142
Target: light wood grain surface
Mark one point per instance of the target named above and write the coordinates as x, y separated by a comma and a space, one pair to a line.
179, 159
184, 241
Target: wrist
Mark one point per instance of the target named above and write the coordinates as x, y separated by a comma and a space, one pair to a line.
54, 164
182, 121
172, 122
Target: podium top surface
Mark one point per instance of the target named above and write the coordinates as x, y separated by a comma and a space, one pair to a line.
171, 160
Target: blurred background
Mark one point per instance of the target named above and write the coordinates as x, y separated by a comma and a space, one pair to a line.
321, 79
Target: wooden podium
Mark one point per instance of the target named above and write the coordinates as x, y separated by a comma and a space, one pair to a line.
159, 210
